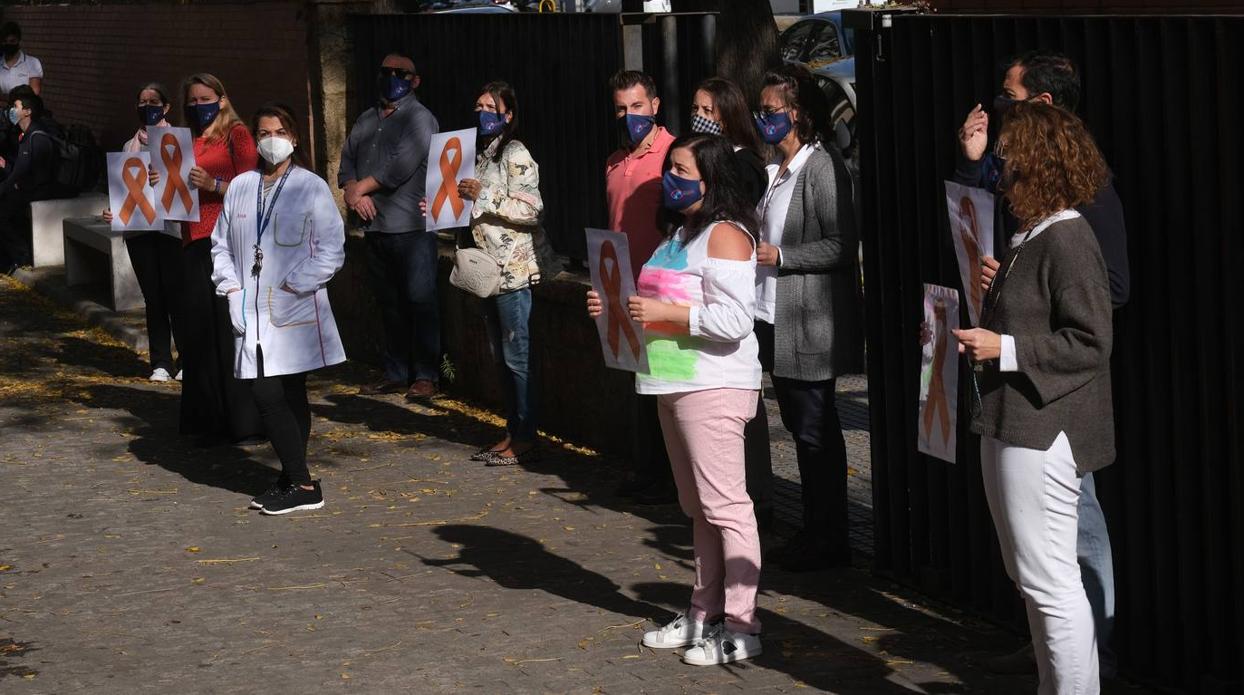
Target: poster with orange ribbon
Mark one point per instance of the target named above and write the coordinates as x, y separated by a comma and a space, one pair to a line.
451, 158
130, 197
172, 157
621, 339
971, 230
939, 374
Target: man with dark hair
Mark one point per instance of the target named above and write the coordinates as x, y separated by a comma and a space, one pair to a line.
633, 189
1052, 78
28, 176
383, 168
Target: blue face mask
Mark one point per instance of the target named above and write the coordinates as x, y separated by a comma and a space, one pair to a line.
680, 193
638, 127
150, 115
774, 127
490, 123
13, 117
393, 87
203, 114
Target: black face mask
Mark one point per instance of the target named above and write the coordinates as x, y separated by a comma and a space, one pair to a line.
11, 49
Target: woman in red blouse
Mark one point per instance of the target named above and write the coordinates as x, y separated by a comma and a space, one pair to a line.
213, 403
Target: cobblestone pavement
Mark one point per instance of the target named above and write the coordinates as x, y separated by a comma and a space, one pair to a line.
130, 564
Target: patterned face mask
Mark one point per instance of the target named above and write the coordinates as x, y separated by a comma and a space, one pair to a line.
700, 124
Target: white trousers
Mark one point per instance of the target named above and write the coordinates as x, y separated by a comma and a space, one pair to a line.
1033, 498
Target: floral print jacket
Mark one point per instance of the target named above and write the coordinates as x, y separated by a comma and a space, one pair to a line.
506, 219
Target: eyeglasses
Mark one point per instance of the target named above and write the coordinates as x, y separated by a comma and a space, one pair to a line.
766, 112
395, 72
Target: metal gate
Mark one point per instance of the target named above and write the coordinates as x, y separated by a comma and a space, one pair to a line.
1163, 97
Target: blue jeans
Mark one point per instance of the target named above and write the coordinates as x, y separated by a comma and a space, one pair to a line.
507, 318
403, 273
1096, 568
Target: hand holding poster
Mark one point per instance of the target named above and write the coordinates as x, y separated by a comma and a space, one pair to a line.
451, 158
939, 374
130, 198
172, 157
971, 213
621, 339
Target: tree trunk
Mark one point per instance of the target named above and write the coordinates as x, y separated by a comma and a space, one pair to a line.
747, 45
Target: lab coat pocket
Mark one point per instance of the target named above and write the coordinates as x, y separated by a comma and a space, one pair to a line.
287, 309
292, 230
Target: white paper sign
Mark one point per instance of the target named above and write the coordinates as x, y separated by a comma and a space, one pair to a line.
971, 229
130, 198
621, 339
172, 157
451, 158
939, 374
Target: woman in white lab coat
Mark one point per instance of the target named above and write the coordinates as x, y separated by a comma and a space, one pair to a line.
277, 243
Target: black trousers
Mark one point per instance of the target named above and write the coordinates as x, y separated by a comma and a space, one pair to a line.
810, 414
213, 402
286, 415
156, 258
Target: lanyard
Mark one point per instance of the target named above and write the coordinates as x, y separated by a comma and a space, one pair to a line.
261, 219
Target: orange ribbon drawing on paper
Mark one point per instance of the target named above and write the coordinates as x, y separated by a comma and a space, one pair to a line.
937, 387
619, 319
134, 175
969, 231
449, 180
176, 184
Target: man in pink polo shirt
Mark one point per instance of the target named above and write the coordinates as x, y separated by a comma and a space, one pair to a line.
633, 189
633, 173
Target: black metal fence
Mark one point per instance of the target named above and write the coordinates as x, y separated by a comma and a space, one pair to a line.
560, 65
1163, 96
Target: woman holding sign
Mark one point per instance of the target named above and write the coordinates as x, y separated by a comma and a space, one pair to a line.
213, 403
156, 256
278, 241
697, 297
505, 221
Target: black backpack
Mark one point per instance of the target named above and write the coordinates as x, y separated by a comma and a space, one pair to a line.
79, 160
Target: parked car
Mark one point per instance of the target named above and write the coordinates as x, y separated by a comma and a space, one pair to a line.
827, 48
468, 7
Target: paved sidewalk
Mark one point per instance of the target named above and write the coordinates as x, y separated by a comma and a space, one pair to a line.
130, 564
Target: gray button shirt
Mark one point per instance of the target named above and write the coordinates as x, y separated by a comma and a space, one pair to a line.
394, 150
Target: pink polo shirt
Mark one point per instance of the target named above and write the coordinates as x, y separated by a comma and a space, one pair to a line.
633, 187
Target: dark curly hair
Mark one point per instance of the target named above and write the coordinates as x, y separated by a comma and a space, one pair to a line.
724, 196
1051, 162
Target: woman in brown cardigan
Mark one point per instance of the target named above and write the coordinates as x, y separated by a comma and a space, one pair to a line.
1042, 365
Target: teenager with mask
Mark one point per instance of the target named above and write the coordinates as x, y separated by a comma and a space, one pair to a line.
809, 311
697, 297
214, 405
27, 176
633, 193
156, 256
276, 244
505, 222
383, 168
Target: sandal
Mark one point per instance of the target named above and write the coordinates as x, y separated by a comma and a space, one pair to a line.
497, 460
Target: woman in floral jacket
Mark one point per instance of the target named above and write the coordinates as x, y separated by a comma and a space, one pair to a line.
506, 224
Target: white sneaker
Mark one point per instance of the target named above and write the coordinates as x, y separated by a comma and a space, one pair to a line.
160, 374
681, 632
723, 647
179, 371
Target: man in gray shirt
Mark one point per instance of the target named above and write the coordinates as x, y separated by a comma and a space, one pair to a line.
383, 167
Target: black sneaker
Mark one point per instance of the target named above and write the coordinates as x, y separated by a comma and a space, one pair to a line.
271, 493
293, 498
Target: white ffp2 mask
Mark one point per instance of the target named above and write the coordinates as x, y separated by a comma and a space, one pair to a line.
275, 150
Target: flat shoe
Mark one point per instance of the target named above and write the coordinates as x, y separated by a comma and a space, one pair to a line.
497, 460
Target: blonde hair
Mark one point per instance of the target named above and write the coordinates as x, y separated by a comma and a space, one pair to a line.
225, 121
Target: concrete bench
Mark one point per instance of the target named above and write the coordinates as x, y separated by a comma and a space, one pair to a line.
94, 253
46, 218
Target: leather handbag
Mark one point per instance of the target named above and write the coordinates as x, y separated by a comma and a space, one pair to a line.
479, 272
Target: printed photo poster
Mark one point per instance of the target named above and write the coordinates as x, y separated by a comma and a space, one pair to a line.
971, 228
621, 339
939, 374
172, 157
451, 158
130, 198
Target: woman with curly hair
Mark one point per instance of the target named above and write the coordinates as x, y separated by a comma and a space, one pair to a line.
1042, 367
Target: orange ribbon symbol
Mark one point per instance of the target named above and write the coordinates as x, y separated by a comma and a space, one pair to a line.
449, 180
172, 163
937, 385
611, 278
134, 175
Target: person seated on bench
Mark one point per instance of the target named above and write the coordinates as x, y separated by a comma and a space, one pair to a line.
29, 176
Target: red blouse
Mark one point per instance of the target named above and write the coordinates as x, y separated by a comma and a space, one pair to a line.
215, 159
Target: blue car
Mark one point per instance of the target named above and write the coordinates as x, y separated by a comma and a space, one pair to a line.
827, 48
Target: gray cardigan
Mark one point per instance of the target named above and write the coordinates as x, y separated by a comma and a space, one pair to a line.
818, 318
1053, 298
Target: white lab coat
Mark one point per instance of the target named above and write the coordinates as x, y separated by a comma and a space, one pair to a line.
303, 247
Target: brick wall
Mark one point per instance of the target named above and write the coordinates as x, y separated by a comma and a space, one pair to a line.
95, 57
